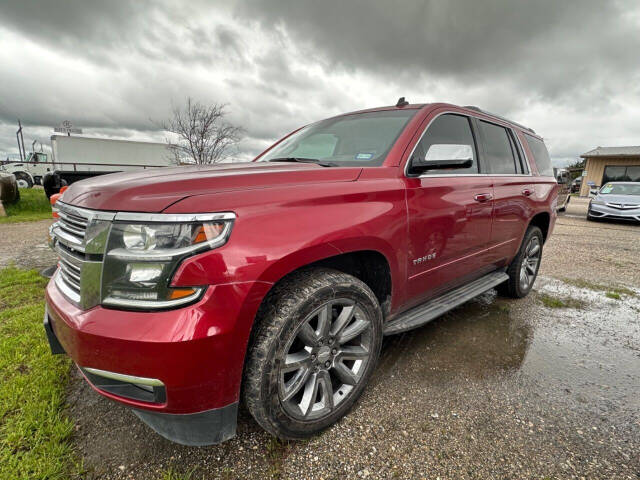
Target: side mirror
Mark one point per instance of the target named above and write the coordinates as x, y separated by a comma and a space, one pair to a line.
443, 156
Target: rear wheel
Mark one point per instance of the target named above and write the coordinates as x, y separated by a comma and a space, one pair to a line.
523, 270
313, 353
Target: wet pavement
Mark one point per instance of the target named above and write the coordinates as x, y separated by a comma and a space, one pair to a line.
497, 388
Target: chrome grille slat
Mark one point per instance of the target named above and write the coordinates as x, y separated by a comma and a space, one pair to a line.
71, 241
75, 277
69, 231
69, 281
73, 219
69, 257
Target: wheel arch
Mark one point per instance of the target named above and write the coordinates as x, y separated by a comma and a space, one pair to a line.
542, 220
368, 265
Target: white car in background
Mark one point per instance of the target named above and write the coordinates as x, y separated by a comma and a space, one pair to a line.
616, 201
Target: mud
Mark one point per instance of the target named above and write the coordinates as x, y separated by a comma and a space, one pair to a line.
497, 388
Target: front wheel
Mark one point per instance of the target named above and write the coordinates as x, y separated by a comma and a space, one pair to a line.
523, 270
314, 350
23, 180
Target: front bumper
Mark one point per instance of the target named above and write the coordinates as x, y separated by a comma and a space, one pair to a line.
605, 211
193, 357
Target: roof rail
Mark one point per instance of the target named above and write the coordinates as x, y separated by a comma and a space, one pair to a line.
477, 109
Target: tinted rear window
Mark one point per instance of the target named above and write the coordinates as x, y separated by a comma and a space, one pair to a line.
540, 155
497, 148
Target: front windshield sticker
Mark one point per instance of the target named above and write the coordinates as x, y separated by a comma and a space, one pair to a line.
607, 188
364, 156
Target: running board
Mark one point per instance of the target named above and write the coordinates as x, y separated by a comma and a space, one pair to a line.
426, 312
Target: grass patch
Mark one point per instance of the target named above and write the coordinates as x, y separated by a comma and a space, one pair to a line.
551, 301
34, 429
173, 474
33, 205
580, 283
276, 453
614, 295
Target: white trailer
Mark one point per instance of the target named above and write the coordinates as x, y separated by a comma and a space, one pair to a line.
76, 158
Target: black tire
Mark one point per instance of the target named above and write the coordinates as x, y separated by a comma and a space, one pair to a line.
515, 287
589, 217
24, 177
280, 322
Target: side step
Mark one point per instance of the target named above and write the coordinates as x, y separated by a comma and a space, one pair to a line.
426, 312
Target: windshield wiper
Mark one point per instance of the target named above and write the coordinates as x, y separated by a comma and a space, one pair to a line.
303, 160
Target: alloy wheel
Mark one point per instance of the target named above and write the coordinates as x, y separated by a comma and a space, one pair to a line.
325, 359
530, 262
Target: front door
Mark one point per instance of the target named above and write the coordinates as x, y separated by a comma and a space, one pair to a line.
449, 215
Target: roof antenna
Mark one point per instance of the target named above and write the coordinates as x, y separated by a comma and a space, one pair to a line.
402, 102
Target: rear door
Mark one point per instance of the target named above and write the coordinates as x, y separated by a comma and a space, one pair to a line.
449, 214
504, 161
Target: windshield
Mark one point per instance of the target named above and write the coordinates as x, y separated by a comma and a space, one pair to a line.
362, 139
621, 189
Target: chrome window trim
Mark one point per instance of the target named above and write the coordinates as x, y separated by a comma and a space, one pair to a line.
151, 382
406, 165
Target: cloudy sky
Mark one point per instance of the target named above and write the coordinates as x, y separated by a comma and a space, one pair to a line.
568, 69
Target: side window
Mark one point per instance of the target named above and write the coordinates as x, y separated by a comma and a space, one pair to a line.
540, 155
521, 163
446, 134
498, 151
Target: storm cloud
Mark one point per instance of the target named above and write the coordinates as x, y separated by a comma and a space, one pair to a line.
568, 69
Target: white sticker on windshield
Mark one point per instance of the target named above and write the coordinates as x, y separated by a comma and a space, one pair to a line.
364, 156
607, 188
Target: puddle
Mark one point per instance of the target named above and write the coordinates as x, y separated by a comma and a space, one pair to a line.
588, 356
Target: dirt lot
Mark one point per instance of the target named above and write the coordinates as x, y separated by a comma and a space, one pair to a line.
544, 387
25, 245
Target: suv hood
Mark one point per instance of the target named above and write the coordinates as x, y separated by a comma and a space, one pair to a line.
154, 190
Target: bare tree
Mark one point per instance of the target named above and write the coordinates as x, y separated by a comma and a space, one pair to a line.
202, 134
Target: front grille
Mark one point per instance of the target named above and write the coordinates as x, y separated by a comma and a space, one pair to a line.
69, 233
78, 239
622, 206
70, 267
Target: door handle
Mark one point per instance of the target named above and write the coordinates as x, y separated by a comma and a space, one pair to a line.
483, 197
527, 192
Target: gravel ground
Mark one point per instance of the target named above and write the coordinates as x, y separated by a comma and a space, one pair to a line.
605, 252
25, 245
495, 389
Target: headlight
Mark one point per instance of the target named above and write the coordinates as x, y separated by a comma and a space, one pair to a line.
597, 201
143, 252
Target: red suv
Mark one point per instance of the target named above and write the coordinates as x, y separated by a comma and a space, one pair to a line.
181, 290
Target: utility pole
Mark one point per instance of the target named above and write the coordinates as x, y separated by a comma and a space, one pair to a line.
20, 138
